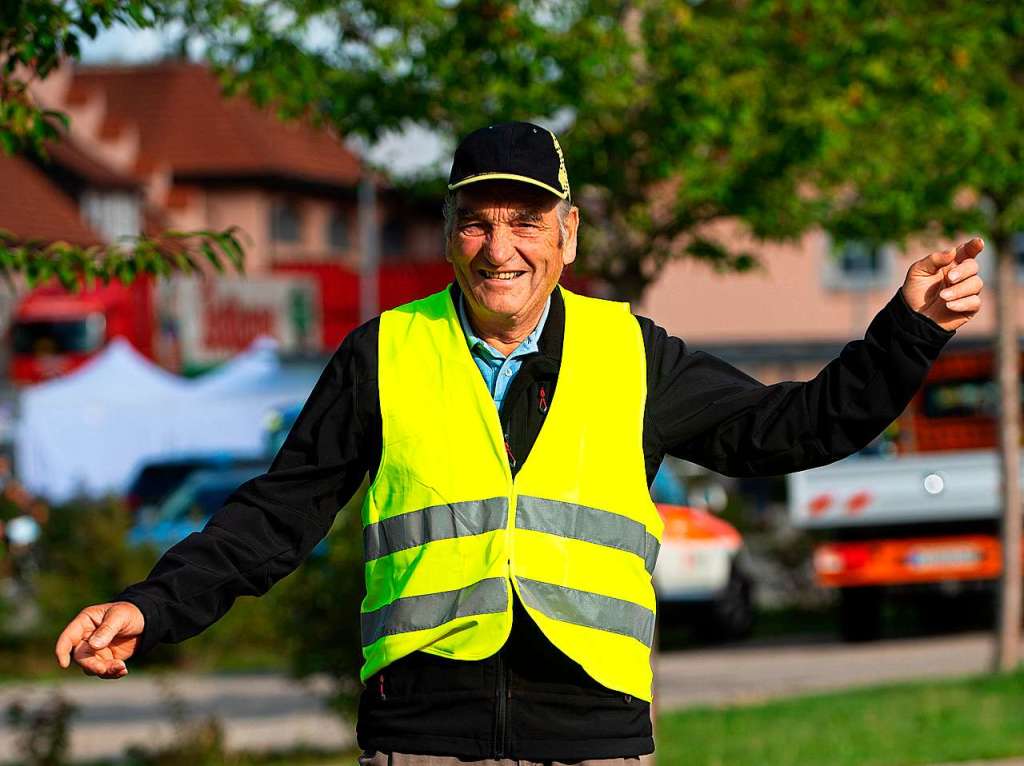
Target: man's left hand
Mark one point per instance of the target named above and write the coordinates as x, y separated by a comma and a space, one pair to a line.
945, 286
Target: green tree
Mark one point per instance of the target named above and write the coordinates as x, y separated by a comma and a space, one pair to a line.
36, 36
937, 145
673, 116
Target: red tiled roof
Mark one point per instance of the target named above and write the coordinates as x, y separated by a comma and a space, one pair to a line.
73, 159
185, 122
32, 207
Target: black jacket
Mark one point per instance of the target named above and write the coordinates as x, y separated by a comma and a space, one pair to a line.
527, 701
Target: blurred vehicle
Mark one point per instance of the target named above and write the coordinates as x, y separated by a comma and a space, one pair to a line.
159, 478
701, 577
185, 324
189, 507
188, 325
53, 331
918, 509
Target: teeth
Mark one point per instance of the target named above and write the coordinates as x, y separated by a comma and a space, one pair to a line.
505, 275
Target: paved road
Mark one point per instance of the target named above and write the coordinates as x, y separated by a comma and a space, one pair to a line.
270, 711
257, 711
748, 673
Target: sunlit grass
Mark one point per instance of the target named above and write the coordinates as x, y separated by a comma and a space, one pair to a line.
892, 725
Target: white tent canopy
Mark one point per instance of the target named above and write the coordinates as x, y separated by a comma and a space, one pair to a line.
88, 433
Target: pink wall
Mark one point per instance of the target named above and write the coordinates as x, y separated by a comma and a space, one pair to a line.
785, 301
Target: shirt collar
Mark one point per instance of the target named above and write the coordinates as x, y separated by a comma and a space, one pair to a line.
478, 345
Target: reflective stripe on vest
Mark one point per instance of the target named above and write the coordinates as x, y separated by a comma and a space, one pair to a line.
439, 522
591, 610
434, 609
449, 534
590, 524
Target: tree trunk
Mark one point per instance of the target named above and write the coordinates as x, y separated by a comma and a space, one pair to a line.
1007, 655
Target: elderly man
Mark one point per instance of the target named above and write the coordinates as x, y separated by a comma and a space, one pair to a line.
511, 429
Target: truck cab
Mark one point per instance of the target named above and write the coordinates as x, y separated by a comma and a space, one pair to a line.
53, 332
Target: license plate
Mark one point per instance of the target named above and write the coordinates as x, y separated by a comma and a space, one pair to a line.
958, 555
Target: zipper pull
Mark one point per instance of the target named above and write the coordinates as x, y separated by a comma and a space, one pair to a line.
542, 402
508, 451
380, 685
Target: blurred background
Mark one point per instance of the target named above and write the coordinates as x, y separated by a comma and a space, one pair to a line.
258, 178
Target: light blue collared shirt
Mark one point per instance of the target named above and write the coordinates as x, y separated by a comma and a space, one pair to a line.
497, 369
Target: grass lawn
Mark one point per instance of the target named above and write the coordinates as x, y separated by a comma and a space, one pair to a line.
893, 725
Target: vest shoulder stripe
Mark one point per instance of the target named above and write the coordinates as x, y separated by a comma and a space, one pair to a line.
591, 525
431, 610
436, 522
590, 610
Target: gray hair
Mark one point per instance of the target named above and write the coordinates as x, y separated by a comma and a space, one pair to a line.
563, 209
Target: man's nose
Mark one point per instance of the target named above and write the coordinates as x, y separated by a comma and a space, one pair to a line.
500, 246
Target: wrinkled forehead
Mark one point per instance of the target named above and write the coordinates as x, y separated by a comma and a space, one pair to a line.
501, 198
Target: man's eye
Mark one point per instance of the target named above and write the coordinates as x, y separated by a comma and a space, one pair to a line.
471, 229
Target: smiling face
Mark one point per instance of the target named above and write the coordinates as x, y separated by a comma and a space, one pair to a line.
506, 251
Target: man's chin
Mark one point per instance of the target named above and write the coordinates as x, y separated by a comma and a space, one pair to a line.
505, 309
500, 302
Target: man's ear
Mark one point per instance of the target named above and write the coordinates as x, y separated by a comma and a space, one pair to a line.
572, 225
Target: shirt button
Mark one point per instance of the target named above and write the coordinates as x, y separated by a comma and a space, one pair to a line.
508, 372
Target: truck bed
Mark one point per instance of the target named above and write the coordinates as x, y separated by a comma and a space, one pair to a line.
864, 490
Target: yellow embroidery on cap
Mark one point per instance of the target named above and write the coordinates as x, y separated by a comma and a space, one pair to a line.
563, 176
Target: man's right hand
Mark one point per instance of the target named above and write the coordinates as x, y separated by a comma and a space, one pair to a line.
101, 638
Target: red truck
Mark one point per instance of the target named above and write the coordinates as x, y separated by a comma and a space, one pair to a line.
917, 509
52, 332
189, 324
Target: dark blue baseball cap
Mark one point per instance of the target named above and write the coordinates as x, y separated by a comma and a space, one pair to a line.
511, 151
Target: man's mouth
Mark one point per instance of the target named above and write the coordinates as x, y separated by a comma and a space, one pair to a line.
504, 276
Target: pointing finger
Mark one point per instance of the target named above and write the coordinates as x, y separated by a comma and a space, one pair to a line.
969, 249
933, 263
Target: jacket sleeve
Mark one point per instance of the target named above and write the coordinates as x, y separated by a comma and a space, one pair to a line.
271, 523
704, 410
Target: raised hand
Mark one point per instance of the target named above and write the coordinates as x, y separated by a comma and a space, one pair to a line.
101, 638
945, 285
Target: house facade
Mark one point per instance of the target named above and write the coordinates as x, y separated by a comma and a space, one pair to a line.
203, 160
788, 318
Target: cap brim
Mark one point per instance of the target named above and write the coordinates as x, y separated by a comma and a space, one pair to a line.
508, 177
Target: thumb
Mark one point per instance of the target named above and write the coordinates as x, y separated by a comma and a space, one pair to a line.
934, 262
113, 621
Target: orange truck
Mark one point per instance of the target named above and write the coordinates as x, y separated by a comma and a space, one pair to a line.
918, 508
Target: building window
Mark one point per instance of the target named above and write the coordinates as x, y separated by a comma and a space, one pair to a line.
285, 223
337, 231
857, 265
112, 214
392, 238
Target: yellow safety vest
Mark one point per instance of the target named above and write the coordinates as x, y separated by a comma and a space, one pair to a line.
447, 530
